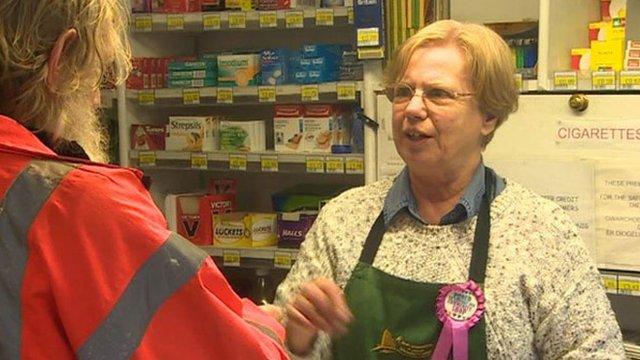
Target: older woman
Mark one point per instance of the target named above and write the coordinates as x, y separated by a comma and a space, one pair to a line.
448, 259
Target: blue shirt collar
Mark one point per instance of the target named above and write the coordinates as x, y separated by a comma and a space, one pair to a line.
400, 197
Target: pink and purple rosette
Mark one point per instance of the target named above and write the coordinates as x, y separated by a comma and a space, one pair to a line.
457, 315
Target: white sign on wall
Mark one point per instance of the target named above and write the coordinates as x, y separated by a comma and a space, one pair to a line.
618, 215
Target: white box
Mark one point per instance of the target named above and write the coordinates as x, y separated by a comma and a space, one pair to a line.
317, 124
192, 133
288, 128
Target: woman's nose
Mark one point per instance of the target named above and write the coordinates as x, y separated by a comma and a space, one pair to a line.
416, 109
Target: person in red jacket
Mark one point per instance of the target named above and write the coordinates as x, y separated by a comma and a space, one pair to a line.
88, 268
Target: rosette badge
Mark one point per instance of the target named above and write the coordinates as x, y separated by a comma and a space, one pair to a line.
459, 307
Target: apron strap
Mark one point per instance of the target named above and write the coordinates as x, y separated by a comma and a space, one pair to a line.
479, 254
373, 241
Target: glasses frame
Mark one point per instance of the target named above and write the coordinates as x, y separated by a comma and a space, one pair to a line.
390, 90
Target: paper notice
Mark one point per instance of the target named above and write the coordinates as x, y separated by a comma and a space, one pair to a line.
618, 216
569, 184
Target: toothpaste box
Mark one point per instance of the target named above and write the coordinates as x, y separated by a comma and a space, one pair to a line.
193, 74
179, 65
239, 70
192, 83
148, 137
192, 133
288, 128
317, 124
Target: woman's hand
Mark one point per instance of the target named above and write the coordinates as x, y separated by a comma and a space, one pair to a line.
320, 305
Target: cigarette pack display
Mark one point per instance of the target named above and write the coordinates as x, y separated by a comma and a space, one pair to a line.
288, 128
148, 137
192, 133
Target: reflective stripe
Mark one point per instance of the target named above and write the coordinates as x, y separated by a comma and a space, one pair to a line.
265, 330
23, 201
168, 269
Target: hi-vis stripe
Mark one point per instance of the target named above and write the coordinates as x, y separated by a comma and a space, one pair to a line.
170, 267
22, 202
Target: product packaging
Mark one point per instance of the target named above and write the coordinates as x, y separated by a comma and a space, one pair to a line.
242, 135
317, 124
288, 128
148, 137
193, 133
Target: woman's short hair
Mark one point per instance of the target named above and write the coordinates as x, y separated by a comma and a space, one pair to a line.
489, 63
28, 31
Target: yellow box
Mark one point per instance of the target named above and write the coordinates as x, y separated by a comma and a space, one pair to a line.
607, 30
263, 229
607, 55
230, 230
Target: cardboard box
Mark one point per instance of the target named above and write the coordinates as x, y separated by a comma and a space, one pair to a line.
239, 70
607, 30
293, 227
242, 135
288, 128
148, 137
229, 230
263, 229
317, 125
607, 55
192, 133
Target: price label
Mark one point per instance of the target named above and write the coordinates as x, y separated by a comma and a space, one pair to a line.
354, 165
630, 80
211, 22
335, 165
350, 14
294, 19
266, 94
147, 158
231, 258
282, 260
238, 162
269, 163
143, 23
346, 91
146, 97
175, 22
628, 285
368, 37
225, 95
315, 164
324, 17
237, 20
603, 80
565, 80
268, 19
191, 96
610, 283
310, 92
519, 82
199, 161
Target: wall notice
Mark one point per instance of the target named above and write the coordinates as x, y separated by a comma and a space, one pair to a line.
568, 184
598, 134
618, 216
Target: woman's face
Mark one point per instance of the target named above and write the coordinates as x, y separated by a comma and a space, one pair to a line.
434, 134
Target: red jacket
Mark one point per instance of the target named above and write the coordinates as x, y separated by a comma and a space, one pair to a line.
89, 270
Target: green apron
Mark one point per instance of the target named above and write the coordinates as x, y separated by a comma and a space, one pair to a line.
395, 318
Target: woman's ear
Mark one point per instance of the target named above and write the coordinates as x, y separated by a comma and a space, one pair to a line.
54, 63
488, 124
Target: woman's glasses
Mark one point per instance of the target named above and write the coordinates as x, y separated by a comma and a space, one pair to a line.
402, 93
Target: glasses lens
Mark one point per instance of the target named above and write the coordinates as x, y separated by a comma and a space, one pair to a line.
402, 93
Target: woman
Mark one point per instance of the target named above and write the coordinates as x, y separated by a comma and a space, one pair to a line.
448, 259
